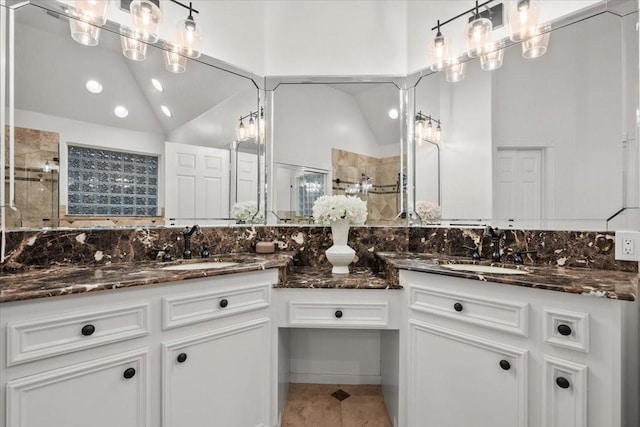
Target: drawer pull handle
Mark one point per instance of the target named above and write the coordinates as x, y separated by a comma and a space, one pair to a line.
457, 307
504, 364
564, 329
88, 330
562, 382
182, 357
224, 303
129, 373
338, 314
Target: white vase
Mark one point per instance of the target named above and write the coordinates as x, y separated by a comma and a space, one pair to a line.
340, 255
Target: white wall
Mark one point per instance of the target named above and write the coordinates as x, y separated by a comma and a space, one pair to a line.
347, 37
311, 119
576, 112
90, 134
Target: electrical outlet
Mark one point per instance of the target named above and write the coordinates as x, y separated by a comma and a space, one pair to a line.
628, 245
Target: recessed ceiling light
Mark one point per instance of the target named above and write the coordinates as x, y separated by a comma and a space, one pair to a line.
393, 113
156, 83
93, 86
166, 110
120, 112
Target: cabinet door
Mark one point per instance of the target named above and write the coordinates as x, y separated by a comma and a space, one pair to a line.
220, 378
105, 392
462, 380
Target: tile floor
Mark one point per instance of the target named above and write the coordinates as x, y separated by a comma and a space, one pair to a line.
331, 405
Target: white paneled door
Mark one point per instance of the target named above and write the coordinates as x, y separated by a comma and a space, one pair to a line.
197, 184
518, 186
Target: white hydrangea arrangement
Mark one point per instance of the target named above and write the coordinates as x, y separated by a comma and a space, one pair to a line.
428, 211
327, 209
247, 212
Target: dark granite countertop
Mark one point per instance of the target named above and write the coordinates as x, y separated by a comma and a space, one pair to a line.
58, 280
321, 277
611, 284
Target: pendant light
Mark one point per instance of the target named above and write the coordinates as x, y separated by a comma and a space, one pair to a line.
437, 135
428, 131
477, 34
132, 48
87, 17
536, 45
493, 57
420, 128
523, 19
455, 71
146, 20
252, 128
438, 51
173, 61
241, 131
190, 36
261, 125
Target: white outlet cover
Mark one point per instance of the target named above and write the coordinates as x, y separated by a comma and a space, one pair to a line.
634, 236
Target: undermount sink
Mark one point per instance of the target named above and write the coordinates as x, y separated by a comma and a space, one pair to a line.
200, 266
491, 269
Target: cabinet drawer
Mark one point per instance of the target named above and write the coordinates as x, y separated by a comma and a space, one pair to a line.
339, 315
203, 306
495, 314
568, 329
49, 336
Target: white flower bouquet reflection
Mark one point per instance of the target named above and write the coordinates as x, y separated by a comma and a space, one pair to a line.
429, 212
247, 212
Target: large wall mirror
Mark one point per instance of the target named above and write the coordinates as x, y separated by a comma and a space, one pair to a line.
337, 138
173, 159
550, 142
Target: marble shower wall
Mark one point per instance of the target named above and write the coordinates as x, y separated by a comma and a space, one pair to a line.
30, 249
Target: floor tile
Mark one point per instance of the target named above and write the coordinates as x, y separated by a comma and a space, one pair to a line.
364, 411
362, 389
317, 411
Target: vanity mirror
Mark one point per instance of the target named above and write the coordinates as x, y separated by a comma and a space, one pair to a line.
550, 142
337, 138
129, 142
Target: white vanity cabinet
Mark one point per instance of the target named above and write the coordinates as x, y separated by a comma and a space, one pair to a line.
194, 353
488, 355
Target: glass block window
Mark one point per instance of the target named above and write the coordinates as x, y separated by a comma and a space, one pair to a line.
310, 188
113, 183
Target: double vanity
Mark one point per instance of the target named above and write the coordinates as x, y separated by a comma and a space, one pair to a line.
217, 341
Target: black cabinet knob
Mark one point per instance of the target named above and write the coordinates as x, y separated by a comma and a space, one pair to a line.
504, 364
564, 329
88, 330
338, 313
457, 307
224, 303
182, 357
129, 373
562, 382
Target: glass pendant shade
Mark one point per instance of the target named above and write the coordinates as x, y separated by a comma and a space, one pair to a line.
252, 128
190, 36
241, 132
261, 126
438, 53
437, 135
428, 131
523, 19
455, 71
419, 129
173, 61
146, 20
493, 57
477, 34
84, 33
88, 14
536, 46
133, 48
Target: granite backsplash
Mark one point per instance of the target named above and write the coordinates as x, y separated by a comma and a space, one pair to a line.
32, 249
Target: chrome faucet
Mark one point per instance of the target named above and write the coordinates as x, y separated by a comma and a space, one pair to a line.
187, 233
495, 235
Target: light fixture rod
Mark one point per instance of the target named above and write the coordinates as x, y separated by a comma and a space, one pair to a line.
191, 9
252, 114
429, 117
473, 9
